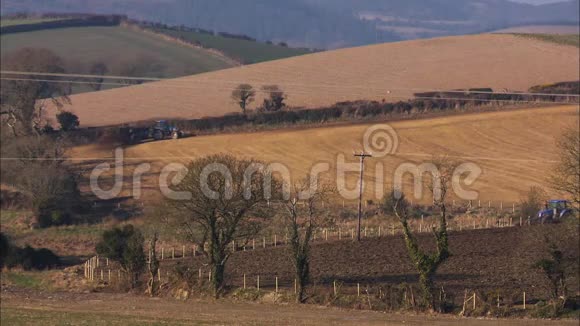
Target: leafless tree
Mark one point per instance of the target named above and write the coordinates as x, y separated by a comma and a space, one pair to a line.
152, 266
98, 68
566, 175
243, 95
533, 202
228, 204
275, 98
22, 100
34, 165
303, 218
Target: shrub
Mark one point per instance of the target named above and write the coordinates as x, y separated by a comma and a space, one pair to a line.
124, 246
67, 120
29, 258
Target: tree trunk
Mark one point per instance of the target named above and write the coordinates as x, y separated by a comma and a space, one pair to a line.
426, 282
217, 278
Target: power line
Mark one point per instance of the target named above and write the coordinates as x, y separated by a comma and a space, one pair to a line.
310, 85
225, 88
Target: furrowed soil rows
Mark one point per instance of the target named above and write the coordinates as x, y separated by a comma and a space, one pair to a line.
483, 260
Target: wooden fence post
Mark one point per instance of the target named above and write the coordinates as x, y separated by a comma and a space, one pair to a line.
474, 299
275, 240
295, 286
358, 290
182, 251
276, 284
244, 281
162, 253
379, 231
159, 274
172, 253
524, 300
258, 283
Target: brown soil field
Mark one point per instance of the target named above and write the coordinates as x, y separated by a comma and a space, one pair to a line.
31, 308
392, 71
514, 149
488, 260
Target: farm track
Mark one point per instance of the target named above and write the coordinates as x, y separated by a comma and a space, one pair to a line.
25, 308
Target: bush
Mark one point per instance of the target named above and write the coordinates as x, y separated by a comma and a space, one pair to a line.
124, 246
29, 258
67, 120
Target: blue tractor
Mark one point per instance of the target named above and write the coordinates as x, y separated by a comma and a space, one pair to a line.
554, 211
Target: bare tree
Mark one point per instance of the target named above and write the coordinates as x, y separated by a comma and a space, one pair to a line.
533, 202
228, 202
243, 95
98, 68
275, 98
152, 266
36, 169
425, 262
566, 175
303, 218
22, 101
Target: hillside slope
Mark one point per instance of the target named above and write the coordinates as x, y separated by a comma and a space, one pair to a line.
514, 149
392, 71
116, 46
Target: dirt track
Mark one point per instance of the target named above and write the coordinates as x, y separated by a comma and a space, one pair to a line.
391, 71
20, 308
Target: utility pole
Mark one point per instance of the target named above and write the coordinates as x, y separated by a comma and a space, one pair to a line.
362, 157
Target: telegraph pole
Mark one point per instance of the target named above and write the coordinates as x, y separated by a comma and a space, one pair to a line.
362, 157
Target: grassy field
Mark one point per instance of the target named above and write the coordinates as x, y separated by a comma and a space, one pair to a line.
85, 45
14, 22
247, 52
391, 71
117, 309
514, 149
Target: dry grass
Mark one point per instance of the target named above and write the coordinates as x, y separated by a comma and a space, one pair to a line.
515, 149
391, 71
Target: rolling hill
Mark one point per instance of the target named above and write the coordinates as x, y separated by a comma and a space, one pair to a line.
514, 149
116, 46
323, 23
391, 71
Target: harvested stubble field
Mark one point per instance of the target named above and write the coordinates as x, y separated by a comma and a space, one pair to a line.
491, 260
392, 71
515, 150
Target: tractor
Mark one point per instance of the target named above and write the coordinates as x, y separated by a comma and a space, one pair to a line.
159, 131
554, 211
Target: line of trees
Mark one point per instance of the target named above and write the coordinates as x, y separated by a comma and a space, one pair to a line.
245, 94
274, 111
